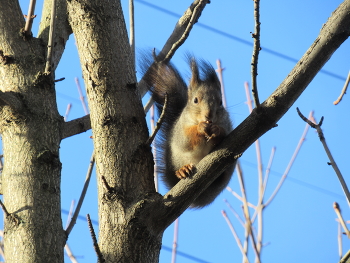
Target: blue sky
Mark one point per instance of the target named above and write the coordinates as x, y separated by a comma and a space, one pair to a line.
299, 225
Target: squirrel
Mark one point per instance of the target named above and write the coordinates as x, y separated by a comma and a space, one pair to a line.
195, 121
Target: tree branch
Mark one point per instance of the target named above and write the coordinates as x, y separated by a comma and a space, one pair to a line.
328, 152
50, 41
343, 91
261, 120
256, 50
94, 241
30, 17
178, 37
76, 126
82, 196
62, 29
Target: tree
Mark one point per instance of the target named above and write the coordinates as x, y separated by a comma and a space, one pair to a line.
132, 216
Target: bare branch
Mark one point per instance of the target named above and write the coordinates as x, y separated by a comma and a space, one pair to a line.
328, 152
148, 105
240, 198
340, 243
179, 35
234, 212
4, 209
69, 106
70, 254
154, 150
341, 219
239, 244
76, 126
256, 50
343, 91
82, 196
289, 166
105, 184
94, 240
51, 34
81, 96
62, 28
176, 232
199, 6
248, 222
159, 122
30, 17
132, 30
219, 70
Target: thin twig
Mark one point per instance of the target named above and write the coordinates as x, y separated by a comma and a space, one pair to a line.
156, 183
176, 232
106, 185
132, 30
239, 244
30, 17
249, 227
69, 106
81, 96
234, 212
240, 198
267, 172
194, 18
159, 122
341, 219
289, 166
246, 230
51, 36
261, 188
70, 254
71, 208
94, 240
340, 241
256, 50
2, 246
180, 29
325, 146
82, 196
343, 91
219, 70
58, 80
4, 209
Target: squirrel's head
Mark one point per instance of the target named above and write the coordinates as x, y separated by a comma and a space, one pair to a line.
204, 92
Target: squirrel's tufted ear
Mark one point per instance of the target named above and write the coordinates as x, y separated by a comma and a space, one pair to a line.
195, 80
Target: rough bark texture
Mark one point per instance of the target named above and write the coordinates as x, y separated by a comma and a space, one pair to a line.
31, 138
119, 131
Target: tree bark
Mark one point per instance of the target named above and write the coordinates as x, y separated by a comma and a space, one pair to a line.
30, 131
124, 164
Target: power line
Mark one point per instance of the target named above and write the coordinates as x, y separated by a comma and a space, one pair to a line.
238, 39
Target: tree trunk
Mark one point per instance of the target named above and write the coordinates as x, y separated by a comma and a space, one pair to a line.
124, 164
30, 128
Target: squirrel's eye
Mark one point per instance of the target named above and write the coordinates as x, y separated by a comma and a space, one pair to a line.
220, 102
195, 100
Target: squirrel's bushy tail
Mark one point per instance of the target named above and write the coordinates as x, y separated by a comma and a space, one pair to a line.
162, 78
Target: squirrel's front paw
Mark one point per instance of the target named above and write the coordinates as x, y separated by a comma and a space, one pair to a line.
185, 171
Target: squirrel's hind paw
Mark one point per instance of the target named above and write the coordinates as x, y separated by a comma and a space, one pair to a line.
185, 171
